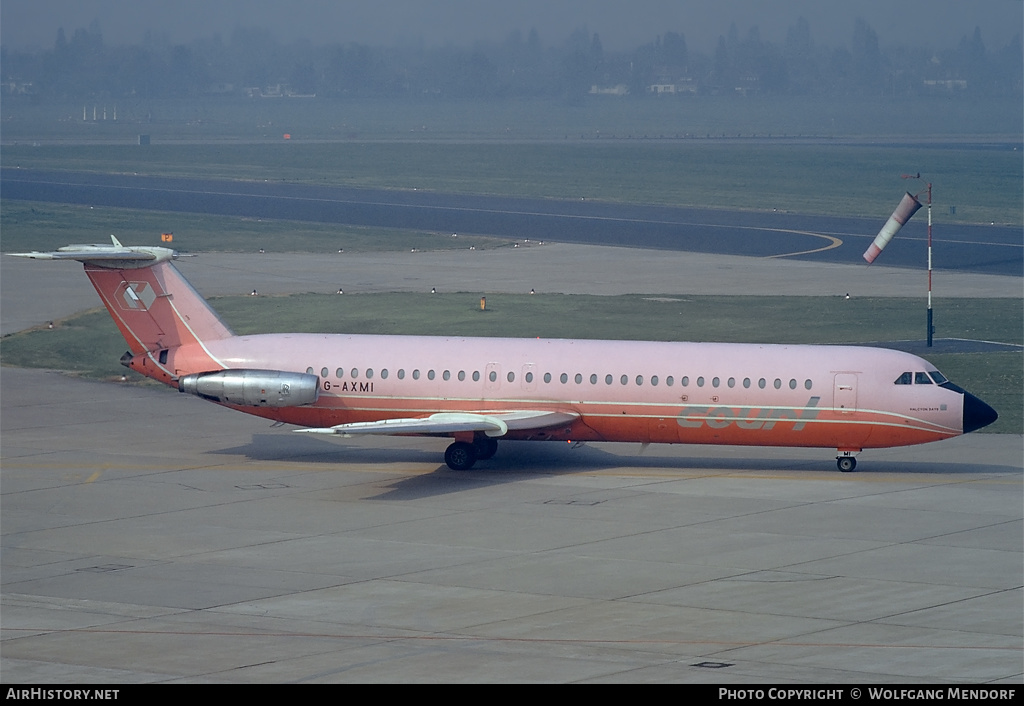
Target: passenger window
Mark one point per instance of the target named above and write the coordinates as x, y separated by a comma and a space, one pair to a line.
593, 378
608, 379
355, 372
462, 375
746, 382
922, 379
731, 382
547, 377
669, 381
476, 376
416, 374
639, 379
430, 375
778, 384
511, 377
369, 372
492, 376
446, 375
904, 379
685, 381
654, 379
324, 372
808, 384
529, 377
309, 370
700, 381
401, 373
792, 384
761, 383
624, 379
340, 372
564, 378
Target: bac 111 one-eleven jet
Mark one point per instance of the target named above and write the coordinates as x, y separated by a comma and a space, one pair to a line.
479, 390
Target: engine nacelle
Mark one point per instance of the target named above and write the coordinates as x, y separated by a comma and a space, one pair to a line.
253, 388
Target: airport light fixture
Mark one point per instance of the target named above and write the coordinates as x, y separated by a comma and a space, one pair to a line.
928, 188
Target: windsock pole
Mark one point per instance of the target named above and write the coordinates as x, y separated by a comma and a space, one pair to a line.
931, 328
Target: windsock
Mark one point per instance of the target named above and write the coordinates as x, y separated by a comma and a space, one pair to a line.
907, 208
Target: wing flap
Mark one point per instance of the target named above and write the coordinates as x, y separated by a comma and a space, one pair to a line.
492, 424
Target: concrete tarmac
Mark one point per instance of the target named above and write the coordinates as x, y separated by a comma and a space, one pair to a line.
150, 537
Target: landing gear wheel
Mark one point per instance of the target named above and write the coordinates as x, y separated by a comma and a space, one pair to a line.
460, 456
846, 463
485, 447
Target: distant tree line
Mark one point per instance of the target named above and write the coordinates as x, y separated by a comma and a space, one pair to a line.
252, 62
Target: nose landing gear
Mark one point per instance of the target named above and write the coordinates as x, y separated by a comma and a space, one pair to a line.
846, 461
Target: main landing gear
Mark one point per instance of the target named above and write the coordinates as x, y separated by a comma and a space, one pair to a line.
461, 455
846, 461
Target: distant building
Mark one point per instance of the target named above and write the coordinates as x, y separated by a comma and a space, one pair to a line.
220, 89
682, 85
620, 89
748, 83
949, 85
15, 87
278, 90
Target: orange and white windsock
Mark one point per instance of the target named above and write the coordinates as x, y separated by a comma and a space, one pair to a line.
907, 208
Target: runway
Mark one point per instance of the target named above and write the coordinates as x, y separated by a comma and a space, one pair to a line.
149, 537
990, 250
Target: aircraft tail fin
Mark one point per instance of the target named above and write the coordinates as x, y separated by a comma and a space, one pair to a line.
152, 304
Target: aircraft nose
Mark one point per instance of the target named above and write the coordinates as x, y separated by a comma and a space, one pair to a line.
977, 414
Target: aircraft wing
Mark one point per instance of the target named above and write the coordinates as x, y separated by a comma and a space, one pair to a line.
492, 424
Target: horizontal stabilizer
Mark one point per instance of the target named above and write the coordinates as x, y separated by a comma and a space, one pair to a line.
496, 424
114, 255
85, 255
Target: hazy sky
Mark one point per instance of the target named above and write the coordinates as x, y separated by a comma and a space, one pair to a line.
621, 24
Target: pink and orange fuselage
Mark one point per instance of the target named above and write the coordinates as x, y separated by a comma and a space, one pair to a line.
843, 397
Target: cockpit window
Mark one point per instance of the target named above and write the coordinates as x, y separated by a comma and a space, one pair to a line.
919, 378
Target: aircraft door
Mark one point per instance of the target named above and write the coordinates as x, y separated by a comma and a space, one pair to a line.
845, 393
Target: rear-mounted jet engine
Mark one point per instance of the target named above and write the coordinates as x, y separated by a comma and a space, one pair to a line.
253, 388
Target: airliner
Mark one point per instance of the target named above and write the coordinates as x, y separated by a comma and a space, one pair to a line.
479, 390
